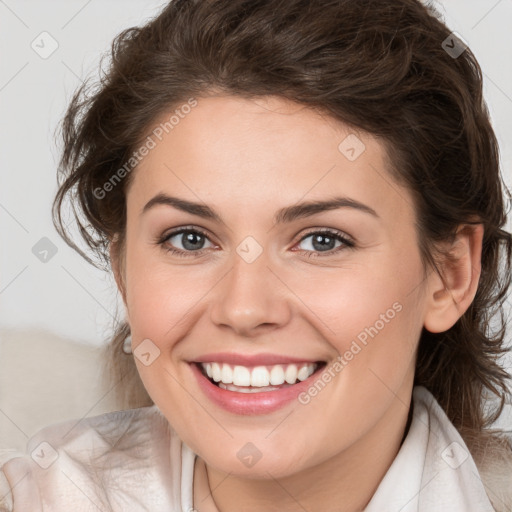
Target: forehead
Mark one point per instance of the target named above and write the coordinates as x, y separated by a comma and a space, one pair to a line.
263, 150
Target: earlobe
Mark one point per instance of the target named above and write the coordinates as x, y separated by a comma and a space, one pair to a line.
451, 295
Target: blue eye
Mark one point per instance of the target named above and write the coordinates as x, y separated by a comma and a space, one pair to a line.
326, 239
323, 242
190, 240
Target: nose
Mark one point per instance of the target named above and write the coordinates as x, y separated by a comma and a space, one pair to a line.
251, 299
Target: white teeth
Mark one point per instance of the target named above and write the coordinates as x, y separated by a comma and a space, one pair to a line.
277, 375
241, 376
230, 387
259, 376
306, 371
227, 374
290, 375
216, 373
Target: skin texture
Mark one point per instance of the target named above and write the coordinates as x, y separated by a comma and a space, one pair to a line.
246, 159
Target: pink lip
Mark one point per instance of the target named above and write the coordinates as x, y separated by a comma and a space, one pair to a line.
250, 360
250, 403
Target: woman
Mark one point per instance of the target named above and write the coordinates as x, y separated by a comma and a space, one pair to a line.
302, 206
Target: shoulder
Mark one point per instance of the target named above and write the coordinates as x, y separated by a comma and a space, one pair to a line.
102, 433
78, 458
491, 451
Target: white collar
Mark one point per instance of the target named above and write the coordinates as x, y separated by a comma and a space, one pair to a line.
432, 471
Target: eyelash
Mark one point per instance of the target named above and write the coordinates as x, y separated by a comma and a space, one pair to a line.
346, 242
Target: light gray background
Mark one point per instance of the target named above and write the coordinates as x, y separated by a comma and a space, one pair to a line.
65, 297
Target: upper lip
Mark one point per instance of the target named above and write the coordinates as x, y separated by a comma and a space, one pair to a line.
263, 359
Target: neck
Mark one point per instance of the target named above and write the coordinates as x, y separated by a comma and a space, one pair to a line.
345, 482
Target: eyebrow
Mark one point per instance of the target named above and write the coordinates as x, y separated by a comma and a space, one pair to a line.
287, 214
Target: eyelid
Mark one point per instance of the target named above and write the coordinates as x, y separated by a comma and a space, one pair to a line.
178, 230
333, 231
347, 241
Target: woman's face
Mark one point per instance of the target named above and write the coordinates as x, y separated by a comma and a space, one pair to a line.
270, 287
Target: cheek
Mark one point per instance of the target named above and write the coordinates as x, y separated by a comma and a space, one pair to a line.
160, 300
159, 295
372, 317
350, 299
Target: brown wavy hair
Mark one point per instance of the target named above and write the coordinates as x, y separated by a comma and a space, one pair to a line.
380, 67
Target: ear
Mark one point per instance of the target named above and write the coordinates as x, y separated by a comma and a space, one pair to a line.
116, 262
450, 295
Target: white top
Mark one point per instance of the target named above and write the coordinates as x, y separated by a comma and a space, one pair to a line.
133, 461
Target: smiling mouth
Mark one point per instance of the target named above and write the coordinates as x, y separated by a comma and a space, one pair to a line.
258, 379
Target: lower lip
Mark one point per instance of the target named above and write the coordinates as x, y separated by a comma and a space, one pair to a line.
250, 403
